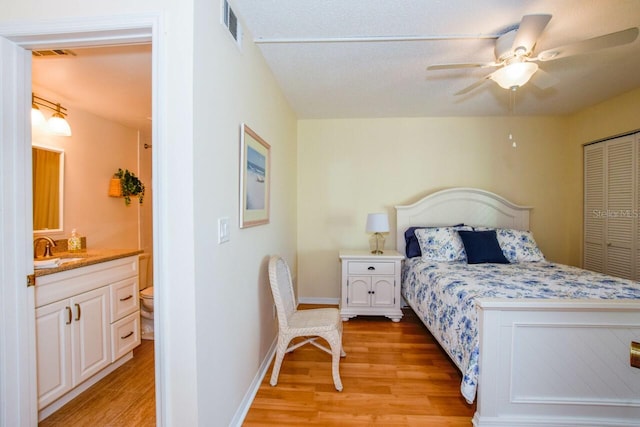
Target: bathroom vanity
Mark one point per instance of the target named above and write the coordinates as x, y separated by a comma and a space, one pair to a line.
87, 323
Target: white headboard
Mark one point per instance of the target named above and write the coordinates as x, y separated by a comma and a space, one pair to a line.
469, 206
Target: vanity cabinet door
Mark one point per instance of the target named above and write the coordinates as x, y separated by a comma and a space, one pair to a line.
91, 329
53, 343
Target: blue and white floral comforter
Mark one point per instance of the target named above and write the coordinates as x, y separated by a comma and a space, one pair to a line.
443, 295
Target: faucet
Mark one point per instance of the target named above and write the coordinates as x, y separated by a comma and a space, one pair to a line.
47, 248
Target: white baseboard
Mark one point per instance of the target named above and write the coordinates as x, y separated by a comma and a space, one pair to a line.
332, 301
242, 410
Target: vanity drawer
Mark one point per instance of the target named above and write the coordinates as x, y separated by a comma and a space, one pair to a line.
358, 267
124, 298
125, 335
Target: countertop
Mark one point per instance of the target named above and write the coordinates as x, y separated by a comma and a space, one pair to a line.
88, 257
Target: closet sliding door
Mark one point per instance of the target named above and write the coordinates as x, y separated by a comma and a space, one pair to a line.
594, 208
611, 206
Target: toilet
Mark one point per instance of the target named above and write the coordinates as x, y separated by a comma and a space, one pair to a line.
146, 296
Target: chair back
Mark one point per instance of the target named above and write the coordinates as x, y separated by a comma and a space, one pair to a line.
282, 289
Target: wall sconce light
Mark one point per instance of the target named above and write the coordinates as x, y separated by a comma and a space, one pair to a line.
377, 223
57, 124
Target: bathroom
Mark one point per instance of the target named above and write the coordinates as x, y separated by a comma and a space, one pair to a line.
106, 93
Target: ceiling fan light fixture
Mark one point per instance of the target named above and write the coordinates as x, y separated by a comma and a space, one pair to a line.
515, 74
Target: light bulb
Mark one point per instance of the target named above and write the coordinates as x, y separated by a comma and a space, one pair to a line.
515, 74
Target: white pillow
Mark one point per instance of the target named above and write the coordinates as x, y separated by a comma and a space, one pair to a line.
518, 245
440, 244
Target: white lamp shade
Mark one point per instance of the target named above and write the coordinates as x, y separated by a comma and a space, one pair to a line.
515, 74
377, 223
37, 118
59, 126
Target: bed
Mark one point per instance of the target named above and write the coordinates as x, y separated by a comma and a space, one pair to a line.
543, 343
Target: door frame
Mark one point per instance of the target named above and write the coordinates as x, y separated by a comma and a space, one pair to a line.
18, 392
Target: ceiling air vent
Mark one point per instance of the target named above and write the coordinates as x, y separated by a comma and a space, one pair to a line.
230, 20
52, 52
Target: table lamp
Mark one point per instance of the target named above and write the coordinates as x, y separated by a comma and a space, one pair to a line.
377, 223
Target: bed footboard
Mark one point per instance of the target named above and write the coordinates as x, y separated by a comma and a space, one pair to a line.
558, 363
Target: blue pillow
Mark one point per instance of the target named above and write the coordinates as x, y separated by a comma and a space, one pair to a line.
412, 246
482, 247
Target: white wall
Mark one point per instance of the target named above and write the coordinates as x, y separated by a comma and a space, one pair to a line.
174, 49
217, 321
234, 304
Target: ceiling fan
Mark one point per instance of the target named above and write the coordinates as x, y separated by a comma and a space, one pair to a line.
517, 62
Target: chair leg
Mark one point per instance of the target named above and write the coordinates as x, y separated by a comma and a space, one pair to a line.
335, 341
280, 352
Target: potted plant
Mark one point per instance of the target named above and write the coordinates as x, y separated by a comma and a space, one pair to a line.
130, 186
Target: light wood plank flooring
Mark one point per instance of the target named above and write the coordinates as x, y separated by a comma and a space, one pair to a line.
395, 374
126, 397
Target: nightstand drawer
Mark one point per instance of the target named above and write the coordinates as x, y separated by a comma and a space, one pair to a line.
356, 267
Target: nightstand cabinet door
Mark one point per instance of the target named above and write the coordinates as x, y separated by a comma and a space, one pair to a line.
383, 291
370, 284
359, 291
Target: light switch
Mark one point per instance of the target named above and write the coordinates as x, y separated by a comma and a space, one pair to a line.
223, 230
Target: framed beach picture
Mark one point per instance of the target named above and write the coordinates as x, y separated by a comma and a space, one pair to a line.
255, 176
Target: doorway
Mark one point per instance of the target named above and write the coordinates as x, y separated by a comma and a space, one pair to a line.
20, 367
106, 92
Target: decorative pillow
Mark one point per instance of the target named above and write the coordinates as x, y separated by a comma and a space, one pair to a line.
412, 246
482, 247
518, 245
440, 244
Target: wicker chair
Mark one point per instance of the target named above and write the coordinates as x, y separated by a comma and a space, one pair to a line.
313, 323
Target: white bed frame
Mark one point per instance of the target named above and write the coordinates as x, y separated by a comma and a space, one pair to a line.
576, 352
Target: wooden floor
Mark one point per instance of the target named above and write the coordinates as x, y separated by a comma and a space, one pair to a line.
126, 397
395, 374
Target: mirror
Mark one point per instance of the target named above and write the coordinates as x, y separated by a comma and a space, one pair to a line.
48, 189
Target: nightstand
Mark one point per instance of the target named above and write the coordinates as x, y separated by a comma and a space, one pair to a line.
370, 284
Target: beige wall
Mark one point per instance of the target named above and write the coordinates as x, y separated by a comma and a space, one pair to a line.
613, 117
94, 152
610, 118
348, 168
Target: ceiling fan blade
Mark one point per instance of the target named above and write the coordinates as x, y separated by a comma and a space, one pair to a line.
473, 86
530, 29
456, 66
543, 80
590, 45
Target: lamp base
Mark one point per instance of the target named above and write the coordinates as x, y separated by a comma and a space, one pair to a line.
376, 243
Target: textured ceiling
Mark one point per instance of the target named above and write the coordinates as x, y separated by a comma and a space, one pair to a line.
378, 78
336, 79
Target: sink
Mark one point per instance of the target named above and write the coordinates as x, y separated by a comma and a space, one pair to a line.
46, 263
53, 262
66, 260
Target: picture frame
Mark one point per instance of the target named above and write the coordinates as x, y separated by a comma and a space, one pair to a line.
255, 178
